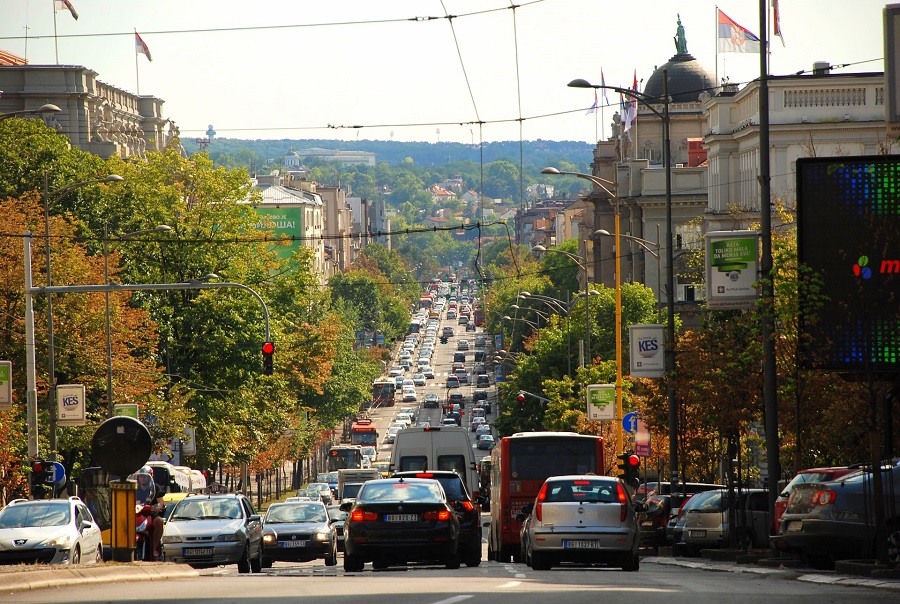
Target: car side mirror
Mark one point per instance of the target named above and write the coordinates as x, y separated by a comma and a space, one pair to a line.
255, 518
84, 525
346, 506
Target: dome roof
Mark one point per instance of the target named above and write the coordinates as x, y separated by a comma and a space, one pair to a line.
687, 80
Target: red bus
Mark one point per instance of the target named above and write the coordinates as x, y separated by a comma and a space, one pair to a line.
341, 457
363, 432
519, 465
479, 316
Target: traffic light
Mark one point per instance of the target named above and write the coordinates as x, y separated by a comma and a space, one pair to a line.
520, 399
629, 464
38, 475
268, 349
443, 339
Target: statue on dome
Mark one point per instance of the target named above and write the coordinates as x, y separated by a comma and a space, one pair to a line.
680, 39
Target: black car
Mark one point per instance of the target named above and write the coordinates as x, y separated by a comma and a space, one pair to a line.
337, 516
468, 510
399, 520
479, 395
470, 326
298, 531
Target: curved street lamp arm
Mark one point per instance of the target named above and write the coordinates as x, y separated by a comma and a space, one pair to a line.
638, 96
648, 245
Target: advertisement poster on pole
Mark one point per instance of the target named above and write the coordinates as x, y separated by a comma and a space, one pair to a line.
642, 439
127, 409
601, 402
732, 269
647, 352
5, 385
70, 404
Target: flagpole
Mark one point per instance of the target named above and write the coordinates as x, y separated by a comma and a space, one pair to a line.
716, 41
55, 41
137, 72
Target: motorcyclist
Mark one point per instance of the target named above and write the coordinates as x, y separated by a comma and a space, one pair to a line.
149, 494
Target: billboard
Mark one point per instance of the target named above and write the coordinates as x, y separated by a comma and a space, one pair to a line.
732, 269
848, 242
282, 222
647, 350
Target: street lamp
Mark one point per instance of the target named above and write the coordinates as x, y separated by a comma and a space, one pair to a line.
109, 383
670, 275
42, 110
587, 307
51, 368
649, 246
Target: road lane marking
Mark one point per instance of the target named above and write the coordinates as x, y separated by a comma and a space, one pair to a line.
452, 600
510, 584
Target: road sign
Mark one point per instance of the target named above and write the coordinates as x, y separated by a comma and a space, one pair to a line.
59, 473
629, 422
5, 385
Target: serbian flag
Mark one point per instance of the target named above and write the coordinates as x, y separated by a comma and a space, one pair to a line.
777, 20
631, 112
603, 86
65, 5
141, 47
596, 104
734, 38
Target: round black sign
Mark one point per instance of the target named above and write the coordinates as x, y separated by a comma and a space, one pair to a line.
121, 445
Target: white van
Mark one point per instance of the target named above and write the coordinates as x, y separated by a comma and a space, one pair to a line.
436, 448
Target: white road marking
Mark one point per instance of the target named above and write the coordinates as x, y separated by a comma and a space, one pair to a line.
510, 584
452, 600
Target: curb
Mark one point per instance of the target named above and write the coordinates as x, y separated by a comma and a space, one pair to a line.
27, 579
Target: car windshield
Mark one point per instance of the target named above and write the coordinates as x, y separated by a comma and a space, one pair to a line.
207, 509
710, 501
37, 514
295, 512
401, 492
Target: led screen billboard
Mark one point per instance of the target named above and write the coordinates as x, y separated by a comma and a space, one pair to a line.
849, 240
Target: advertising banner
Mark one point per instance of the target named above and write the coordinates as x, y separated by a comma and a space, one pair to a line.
732, 268
128, 410
70, 404
601, 402
5, 385
647, 353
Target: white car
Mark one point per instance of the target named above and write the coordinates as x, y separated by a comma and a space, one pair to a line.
391, 434
428, 372
403, 418
419, 379
409, 394
396, 370
55, 531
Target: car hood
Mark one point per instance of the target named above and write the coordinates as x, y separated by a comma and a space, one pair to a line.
31, 535
203, 527
295, 527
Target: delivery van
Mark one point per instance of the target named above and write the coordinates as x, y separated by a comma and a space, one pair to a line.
355, 477
436, 448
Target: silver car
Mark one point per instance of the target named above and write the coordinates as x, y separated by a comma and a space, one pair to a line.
706, 522
54, 531
209, 530
585, 519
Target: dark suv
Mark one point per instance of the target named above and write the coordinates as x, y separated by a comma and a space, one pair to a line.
468, 511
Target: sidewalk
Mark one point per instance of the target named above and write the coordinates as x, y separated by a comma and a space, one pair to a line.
25, 577
890, 579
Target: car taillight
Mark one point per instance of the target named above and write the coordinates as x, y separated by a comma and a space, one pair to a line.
623, 499
361, 516
440, 515
467, 506
539, 504
823, 497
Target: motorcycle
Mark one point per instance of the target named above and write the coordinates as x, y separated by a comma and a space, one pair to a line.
143, 526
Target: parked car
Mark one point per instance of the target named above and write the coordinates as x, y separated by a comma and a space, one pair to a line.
298, 532
707, 523
586, 518
676, 532
51, 531
654, 521
810, 475
394, 521
834, 520
467, 508
212, 530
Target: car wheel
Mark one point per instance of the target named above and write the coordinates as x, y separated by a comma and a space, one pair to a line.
540, 561
257, 563
353, 564
244, 563
75, 559
267, 562
893, 544
331, 558
379, 564
99, 557
631, 563
474, 558
452, 562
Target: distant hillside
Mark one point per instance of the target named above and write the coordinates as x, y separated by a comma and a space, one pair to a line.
535, 153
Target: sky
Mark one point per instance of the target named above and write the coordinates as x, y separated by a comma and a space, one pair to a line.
277, 69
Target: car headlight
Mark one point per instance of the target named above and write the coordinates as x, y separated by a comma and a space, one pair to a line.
171, 539
231, 538
269, 538
321, 536
64, 540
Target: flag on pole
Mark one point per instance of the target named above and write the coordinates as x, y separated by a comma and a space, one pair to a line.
631, 111
595, 106
777, 21
623, 111
734, 38
65, 5
141, 47
603, 86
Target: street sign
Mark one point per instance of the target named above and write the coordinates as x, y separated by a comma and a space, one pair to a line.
629, 422
5, 385
59, 473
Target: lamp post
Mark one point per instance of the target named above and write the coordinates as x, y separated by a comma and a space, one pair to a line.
562, 308
670, 274
587, 307
47, 196
109, 381
649, 246
42, 110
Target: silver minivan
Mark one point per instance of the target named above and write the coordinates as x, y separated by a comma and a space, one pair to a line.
706, 522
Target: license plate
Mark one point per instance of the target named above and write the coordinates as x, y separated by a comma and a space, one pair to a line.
198, 551
795, 526
700, 534
581, 544
401, 517
647, 523
288, 544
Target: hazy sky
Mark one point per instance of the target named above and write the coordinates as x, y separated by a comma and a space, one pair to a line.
277, 69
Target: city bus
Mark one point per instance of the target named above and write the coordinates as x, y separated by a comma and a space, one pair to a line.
383, 392
341, 457
519, 465
479, 316
363, 432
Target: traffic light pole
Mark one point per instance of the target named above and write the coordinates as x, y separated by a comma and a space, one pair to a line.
30, 290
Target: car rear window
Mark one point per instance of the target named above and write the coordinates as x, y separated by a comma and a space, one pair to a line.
603, 491
384, 492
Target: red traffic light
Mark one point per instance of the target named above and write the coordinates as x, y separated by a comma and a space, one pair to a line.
520, 397
633, 461
268, 348
37, 467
